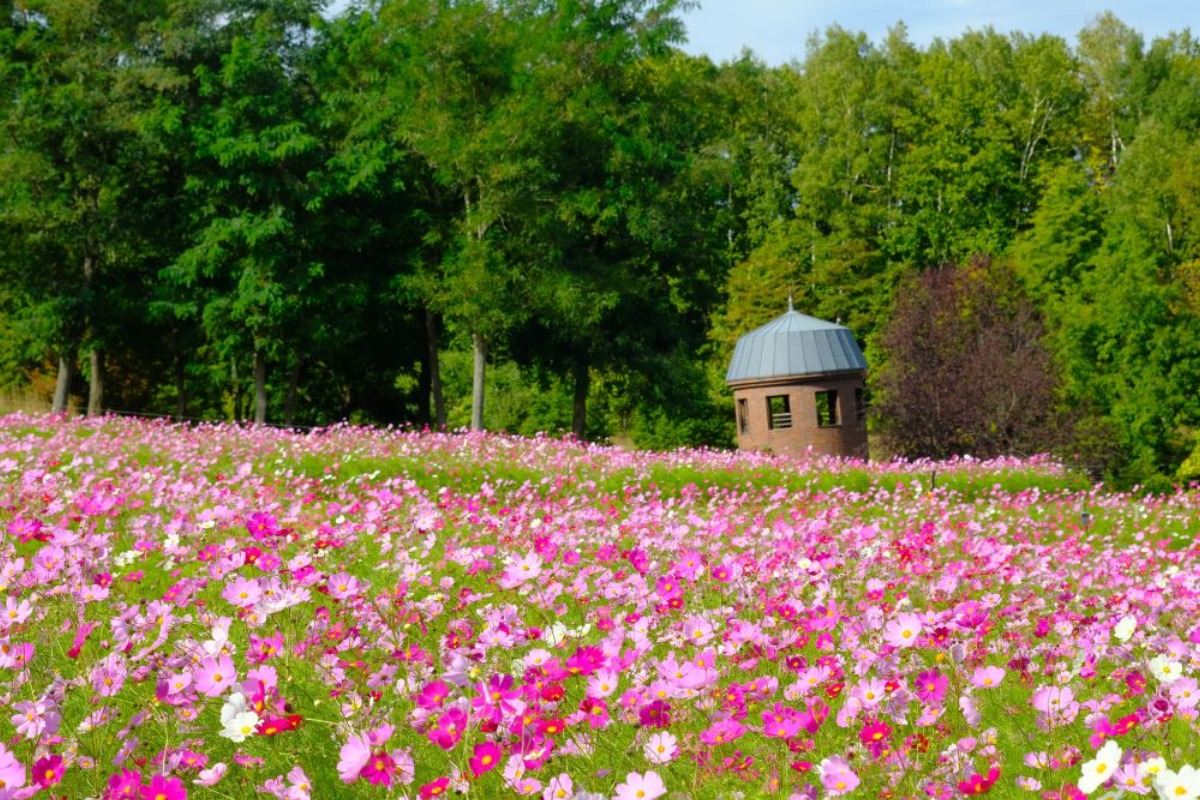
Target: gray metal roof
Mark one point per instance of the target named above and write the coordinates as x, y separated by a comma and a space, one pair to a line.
794, 345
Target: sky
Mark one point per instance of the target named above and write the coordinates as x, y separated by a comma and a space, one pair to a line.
776, 30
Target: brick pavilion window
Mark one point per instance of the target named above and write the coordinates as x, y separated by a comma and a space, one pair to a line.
743, 416
860, 406
779, 412
827, 409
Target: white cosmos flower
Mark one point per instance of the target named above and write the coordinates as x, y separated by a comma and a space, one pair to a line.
237, 720
1100, 768
1182, 785
1166, 669
1124, 628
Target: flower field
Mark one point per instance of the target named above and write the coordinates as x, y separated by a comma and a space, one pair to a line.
226, 612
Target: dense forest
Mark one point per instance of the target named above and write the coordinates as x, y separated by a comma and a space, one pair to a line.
543, 215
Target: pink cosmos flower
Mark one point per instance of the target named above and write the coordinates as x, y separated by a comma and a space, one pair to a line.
836, 775
698, 630
969, 709
178, 683
343, 585
449, 729
596, 711
1056, 703
727, 730
656, 714
781, 723
641, 787
108, 677
433, 694
602, 683
214, 675
903, 630
526, 568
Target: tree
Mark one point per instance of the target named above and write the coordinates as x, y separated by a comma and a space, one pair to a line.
966, 371
251, 275
77, 169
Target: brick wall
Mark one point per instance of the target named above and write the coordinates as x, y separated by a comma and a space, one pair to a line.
847, 438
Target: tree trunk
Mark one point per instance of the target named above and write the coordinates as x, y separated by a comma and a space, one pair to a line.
236, 388
260, 387
289, 405
435, 372
62, 387
480, 348
582, 384
180, 388
95, 382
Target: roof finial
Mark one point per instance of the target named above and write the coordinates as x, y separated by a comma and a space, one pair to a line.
790, 309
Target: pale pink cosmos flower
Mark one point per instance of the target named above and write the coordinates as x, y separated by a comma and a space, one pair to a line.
970, 710
698, 630
15, 612
560, 787
1057, 704
242, 592
837, 776
987, 677
211, 775
903, 630
641, 787
869, 692
1184, 693
343, 585
354, 756
525, 568
35, 718
661, 748
178, 683
602, 683
12, 771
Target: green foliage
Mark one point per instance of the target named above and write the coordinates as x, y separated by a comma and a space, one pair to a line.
254, 210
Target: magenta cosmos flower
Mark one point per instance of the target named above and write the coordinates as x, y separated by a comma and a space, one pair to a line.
486, 756
48, 771
162, 787
930, 686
